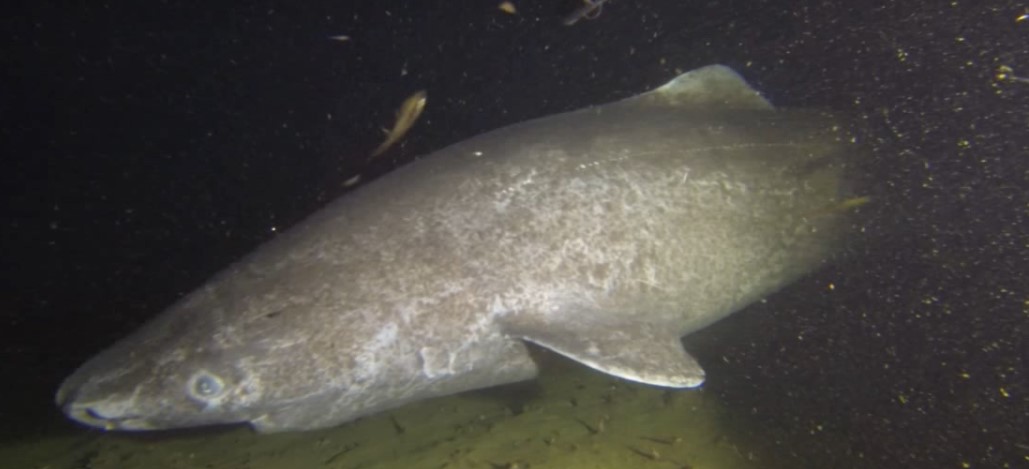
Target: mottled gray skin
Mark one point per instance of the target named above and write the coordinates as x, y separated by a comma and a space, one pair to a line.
604, 234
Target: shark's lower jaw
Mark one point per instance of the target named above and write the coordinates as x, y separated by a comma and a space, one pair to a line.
92, 415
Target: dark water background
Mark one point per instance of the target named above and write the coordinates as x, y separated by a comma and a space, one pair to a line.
146, 145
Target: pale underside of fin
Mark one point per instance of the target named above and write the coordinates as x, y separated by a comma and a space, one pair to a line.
646, 353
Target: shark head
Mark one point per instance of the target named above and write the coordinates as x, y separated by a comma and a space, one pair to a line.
171, 387
202, 363
288, 339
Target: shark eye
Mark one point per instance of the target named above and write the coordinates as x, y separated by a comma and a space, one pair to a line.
206, 385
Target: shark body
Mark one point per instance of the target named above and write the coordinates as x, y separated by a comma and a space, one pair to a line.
604, 234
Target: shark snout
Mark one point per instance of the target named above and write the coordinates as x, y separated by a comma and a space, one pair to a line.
103, 414
89, 415
109, 413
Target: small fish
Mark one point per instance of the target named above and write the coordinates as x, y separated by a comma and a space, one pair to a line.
1006, 73
854, 202
508, 7
589, 10
839, 207
340, 38
406, 115
352, 181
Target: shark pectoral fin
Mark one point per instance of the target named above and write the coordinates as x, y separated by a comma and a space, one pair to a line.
645, 353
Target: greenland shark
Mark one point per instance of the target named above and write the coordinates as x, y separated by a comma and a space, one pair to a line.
604, 234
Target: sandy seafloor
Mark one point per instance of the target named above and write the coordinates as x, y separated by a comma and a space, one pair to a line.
571, 417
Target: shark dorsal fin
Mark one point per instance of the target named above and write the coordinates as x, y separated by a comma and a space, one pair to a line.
710, 87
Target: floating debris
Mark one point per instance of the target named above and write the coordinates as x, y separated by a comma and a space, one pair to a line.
589, 10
